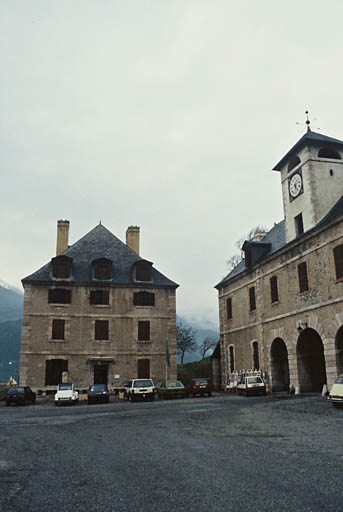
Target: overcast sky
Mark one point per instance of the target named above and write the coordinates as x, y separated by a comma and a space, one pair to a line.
167, 114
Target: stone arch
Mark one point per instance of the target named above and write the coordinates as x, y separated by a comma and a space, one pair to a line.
339, 350
279, 365
311, 361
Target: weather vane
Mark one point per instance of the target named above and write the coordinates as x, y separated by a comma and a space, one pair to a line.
308, 122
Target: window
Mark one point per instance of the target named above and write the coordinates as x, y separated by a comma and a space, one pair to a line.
252, 299
273, 289
143, 271
232, 359
302, 274
229, 308
293, 163
144, 330
143, 299
101, 297
329, 153
59, 296
53, 371
143, 368
102, 269
101, 329
256, 359
57, 329
61, 267
338, 256
299, 225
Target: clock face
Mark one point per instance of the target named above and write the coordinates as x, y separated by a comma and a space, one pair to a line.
295, 185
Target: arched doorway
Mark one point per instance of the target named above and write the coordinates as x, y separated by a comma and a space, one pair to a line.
339, 350
311, 361
279, 365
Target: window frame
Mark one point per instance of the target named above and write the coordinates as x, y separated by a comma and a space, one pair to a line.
274, 291
144, 333
58, 327
252, 298
144, 298
101, 330
53, 292
303, 277
229, 308
338, 261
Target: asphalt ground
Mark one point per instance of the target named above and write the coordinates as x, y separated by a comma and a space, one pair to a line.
224, 453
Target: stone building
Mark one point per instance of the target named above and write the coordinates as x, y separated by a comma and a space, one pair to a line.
281, 308
99, 312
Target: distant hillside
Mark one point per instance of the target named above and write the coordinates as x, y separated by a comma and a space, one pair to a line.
201, 335
10, 337
11, 310
11, 304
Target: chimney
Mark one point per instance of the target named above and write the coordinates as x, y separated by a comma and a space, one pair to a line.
132, 238
259, 236
62, 236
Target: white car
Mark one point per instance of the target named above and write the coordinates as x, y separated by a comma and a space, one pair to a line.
336, 393
66, 394
251, 385
140, 389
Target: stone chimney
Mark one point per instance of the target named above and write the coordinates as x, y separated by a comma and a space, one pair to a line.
259, 236
132, 238
62, 236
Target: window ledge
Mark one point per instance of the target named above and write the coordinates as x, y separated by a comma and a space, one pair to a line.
144, 341
62, 305
57, 341
276, 303
100, 305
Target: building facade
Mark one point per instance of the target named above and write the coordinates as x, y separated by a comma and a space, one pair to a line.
99, 312
281, 308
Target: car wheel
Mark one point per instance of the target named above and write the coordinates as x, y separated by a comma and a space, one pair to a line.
7, 403
210, 394
56, 403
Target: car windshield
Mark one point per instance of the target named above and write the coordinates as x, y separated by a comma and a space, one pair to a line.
175, 384
13, 391
200, 382
99, 387
63, 387
142, 383
339, 380
255, 380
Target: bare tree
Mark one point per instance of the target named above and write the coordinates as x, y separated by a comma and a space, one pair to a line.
185, 339
206, 345
233, 261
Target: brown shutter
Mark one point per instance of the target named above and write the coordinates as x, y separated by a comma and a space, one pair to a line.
101, 329
338, 255
58, 329
144, 330
273, 289
143, 367
252, 299
229, 308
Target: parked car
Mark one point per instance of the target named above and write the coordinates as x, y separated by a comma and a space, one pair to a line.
67, 394
98, 393
251, 385
336, 394
171, 389
199, 387
20, 395
140, 389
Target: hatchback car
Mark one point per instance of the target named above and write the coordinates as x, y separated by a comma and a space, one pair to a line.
98, 393
251, 385
336, 393
199, 387
171, 389
20, 395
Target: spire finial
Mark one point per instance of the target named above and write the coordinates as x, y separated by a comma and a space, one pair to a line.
307, 121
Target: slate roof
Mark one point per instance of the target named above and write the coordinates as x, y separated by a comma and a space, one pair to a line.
277, 238
309, 136
100, 243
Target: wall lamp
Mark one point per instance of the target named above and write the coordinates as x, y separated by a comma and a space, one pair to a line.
301, 327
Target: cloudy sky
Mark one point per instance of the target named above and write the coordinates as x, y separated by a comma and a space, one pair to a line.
167, 114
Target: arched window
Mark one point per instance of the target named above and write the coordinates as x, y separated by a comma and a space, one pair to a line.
102, 269
329, 153
293, 163
61, 267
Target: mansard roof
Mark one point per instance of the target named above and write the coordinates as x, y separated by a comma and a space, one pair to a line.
99, 243
277, 238
309, 137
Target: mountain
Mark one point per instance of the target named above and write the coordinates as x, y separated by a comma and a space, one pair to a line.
11, 310
202, 333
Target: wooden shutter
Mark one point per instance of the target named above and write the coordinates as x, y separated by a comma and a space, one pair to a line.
144, 330
143, 367
338, 255
273, 289
229, 308
252, 299
101, 329
58, 329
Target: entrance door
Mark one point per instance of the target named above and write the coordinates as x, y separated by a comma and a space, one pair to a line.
143, 368
279, 365
311, 361
100, 374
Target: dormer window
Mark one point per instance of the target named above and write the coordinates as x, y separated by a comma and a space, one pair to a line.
329, 153
143, 271
293, 163
102, 269
61, 267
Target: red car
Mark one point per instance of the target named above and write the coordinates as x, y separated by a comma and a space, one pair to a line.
199, 387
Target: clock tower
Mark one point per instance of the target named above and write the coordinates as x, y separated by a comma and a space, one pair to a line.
311, 179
